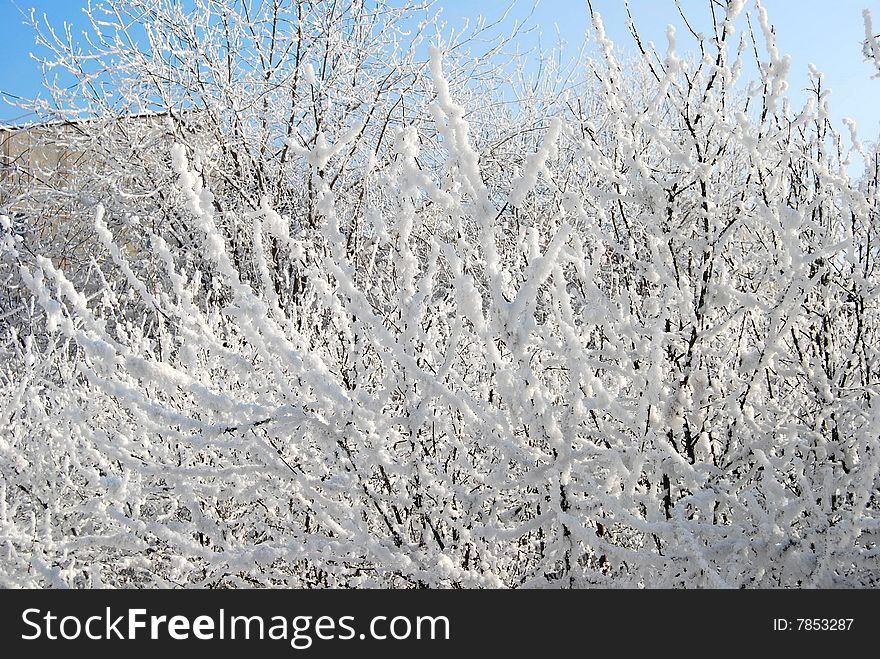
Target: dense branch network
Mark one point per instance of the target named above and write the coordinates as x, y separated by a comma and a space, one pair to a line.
345, 323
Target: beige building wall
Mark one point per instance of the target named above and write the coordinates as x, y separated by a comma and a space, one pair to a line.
39, 169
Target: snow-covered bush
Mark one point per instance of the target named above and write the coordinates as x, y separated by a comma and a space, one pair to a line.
628, 340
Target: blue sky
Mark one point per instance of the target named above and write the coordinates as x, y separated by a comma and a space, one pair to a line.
823, 32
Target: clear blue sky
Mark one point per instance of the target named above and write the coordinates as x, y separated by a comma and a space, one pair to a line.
826, 33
